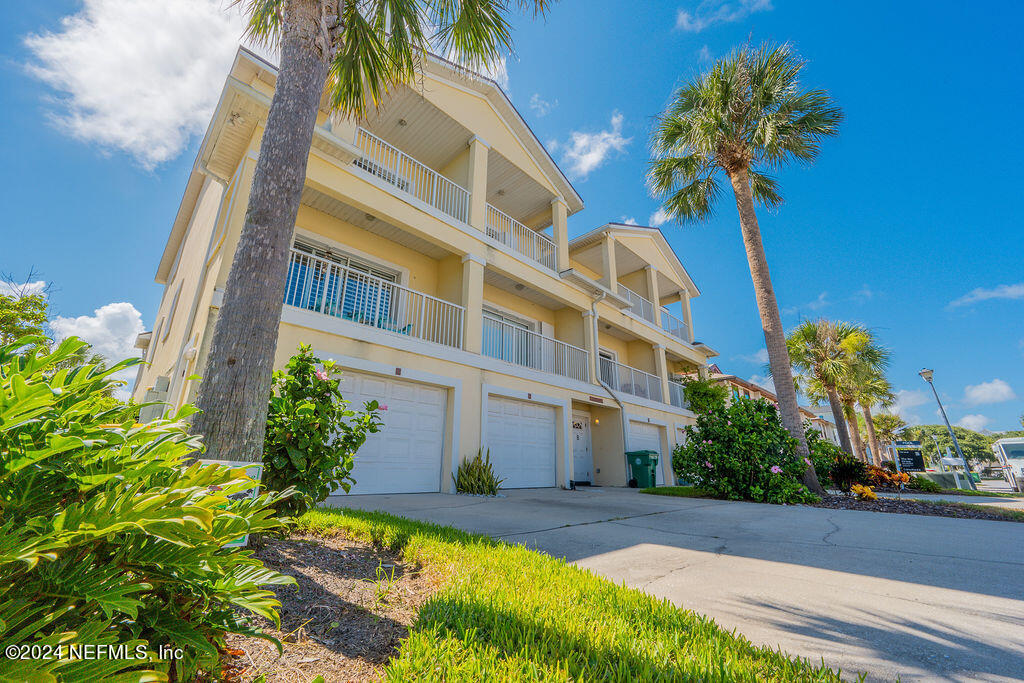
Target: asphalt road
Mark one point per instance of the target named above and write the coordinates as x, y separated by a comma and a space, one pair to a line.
922, 598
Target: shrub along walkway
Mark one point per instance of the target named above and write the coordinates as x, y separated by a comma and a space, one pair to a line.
924, 598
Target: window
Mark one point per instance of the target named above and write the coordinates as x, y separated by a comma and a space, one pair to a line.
606, 363
340, 285
509, 338
735, 394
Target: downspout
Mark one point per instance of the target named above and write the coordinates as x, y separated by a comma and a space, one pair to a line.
597, 364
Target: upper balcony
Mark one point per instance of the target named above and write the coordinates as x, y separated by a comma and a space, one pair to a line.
520, 346
658, 316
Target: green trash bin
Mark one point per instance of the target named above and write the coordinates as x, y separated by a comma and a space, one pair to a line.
643, 468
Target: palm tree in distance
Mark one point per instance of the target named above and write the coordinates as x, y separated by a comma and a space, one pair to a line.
889, 427
824, 352
872, 389
746, 117
359, 50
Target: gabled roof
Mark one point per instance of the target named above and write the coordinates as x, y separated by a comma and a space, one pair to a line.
655, 234
248, 64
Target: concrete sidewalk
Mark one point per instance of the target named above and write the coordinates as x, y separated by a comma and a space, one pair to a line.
923, 598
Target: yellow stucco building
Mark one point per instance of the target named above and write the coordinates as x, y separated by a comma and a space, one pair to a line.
431, 260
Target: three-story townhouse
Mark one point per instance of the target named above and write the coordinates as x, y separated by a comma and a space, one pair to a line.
431, 260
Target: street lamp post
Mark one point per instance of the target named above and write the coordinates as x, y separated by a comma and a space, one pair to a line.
927, 374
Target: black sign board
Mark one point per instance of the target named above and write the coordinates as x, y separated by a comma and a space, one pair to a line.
910, 455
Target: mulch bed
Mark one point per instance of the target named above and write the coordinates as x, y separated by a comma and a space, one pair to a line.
343, 620
911, 507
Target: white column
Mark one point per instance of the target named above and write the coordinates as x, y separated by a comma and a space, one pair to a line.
473, 301
609, 271
590, 344
560, 233
661, 364
684, 302
652, 292
478, 183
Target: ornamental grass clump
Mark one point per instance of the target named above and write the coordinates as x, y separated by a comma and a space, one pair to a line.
742, 452
113, 535
477, 476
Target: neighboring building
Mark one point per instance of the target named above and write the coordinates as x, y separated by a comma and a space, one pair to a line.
431, 260
741, 388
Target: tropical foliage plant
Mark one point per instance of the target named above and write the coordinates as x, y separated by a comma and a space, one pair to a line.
359, 51
113, 533
847, 471
745, 118
742, 452
312, 435
824, 455
476, 475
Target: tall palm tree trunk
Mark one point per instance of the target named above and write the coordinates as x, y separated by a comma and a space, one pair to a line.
236, 383
869, 423
771, 322
839, 417
851, 420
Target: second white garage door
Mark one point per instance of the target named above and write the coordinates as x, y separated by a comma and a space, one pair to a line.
405, 456
647, 437
521, 436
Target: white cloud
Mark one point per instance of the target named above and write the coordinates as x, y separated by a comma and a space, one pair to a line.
584, 152
973, 422
628, 220
995, 391
111, 331
704, 54
815, 305
760, 356
711, 12
17, 289
137, 77
906, 401
763, 381
863, 294
982, 294
658, 218
540, 106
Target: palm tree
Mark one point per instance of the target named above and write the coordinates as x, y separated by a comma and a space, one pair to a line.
871, 389
359, 50
745, 117
823, 352
889, 427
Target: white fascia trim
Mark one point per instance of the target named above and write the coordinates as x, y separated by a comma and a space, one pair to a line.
654, 405
563, 407
371, 335
412, 375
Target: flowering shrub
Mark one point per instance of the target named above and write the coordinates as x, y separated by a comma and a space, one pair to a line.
876, 476
312, 436
863, 492
742, 452
824, 456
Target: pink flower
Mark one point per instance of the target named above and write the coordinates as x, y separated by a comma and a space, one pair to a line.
382, 407
707, 463
808, 461
776, 469
322, 375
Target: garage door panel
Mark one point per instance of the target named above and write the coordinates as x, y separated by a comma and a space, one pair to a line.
521, 437
644, 436
405, 456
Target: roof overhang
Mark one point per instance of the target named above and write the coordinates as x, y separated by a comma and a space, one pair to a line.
596, 235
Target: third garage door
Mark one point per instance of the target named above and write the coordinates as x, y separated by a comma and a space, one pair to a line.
644, 437
521, 436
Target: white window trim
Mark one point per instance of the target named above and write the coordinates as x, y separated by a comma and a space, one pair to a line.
508, 314
402, 276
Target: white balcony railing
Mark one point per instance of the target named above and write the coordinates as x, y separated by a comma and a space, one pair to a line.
629, 380
676, 396
638, 305
673, 325
408, 175
326, 287
520, 238
513, 344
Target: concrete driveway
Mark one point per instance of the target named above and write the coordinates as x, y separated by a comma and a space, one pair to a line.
924, 598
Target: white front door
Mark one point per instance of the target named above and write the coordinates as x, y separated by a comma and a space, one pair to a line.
405, 456
521, 438
644, 436
582, 457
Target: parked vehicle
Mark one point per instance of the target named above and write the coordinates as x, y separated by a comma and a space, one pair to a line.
1011, 454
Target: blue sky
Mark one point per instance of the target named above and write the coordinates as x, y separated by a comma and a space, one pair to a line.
906, 224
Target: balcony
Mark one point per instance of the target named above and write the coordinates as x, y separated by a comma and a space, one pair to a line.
517, 345
674, 326
676, 396
401, 171
323, 286
520, 238
638, 305
629, 380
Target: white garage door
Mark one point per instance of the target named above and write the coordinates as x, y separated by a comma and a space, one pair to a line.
405, 456
647, 437
521, 436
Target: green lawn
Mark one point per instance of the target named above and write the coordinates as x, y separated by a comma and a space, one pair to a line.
989, 494
1016, 515
678, 491
508, 613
